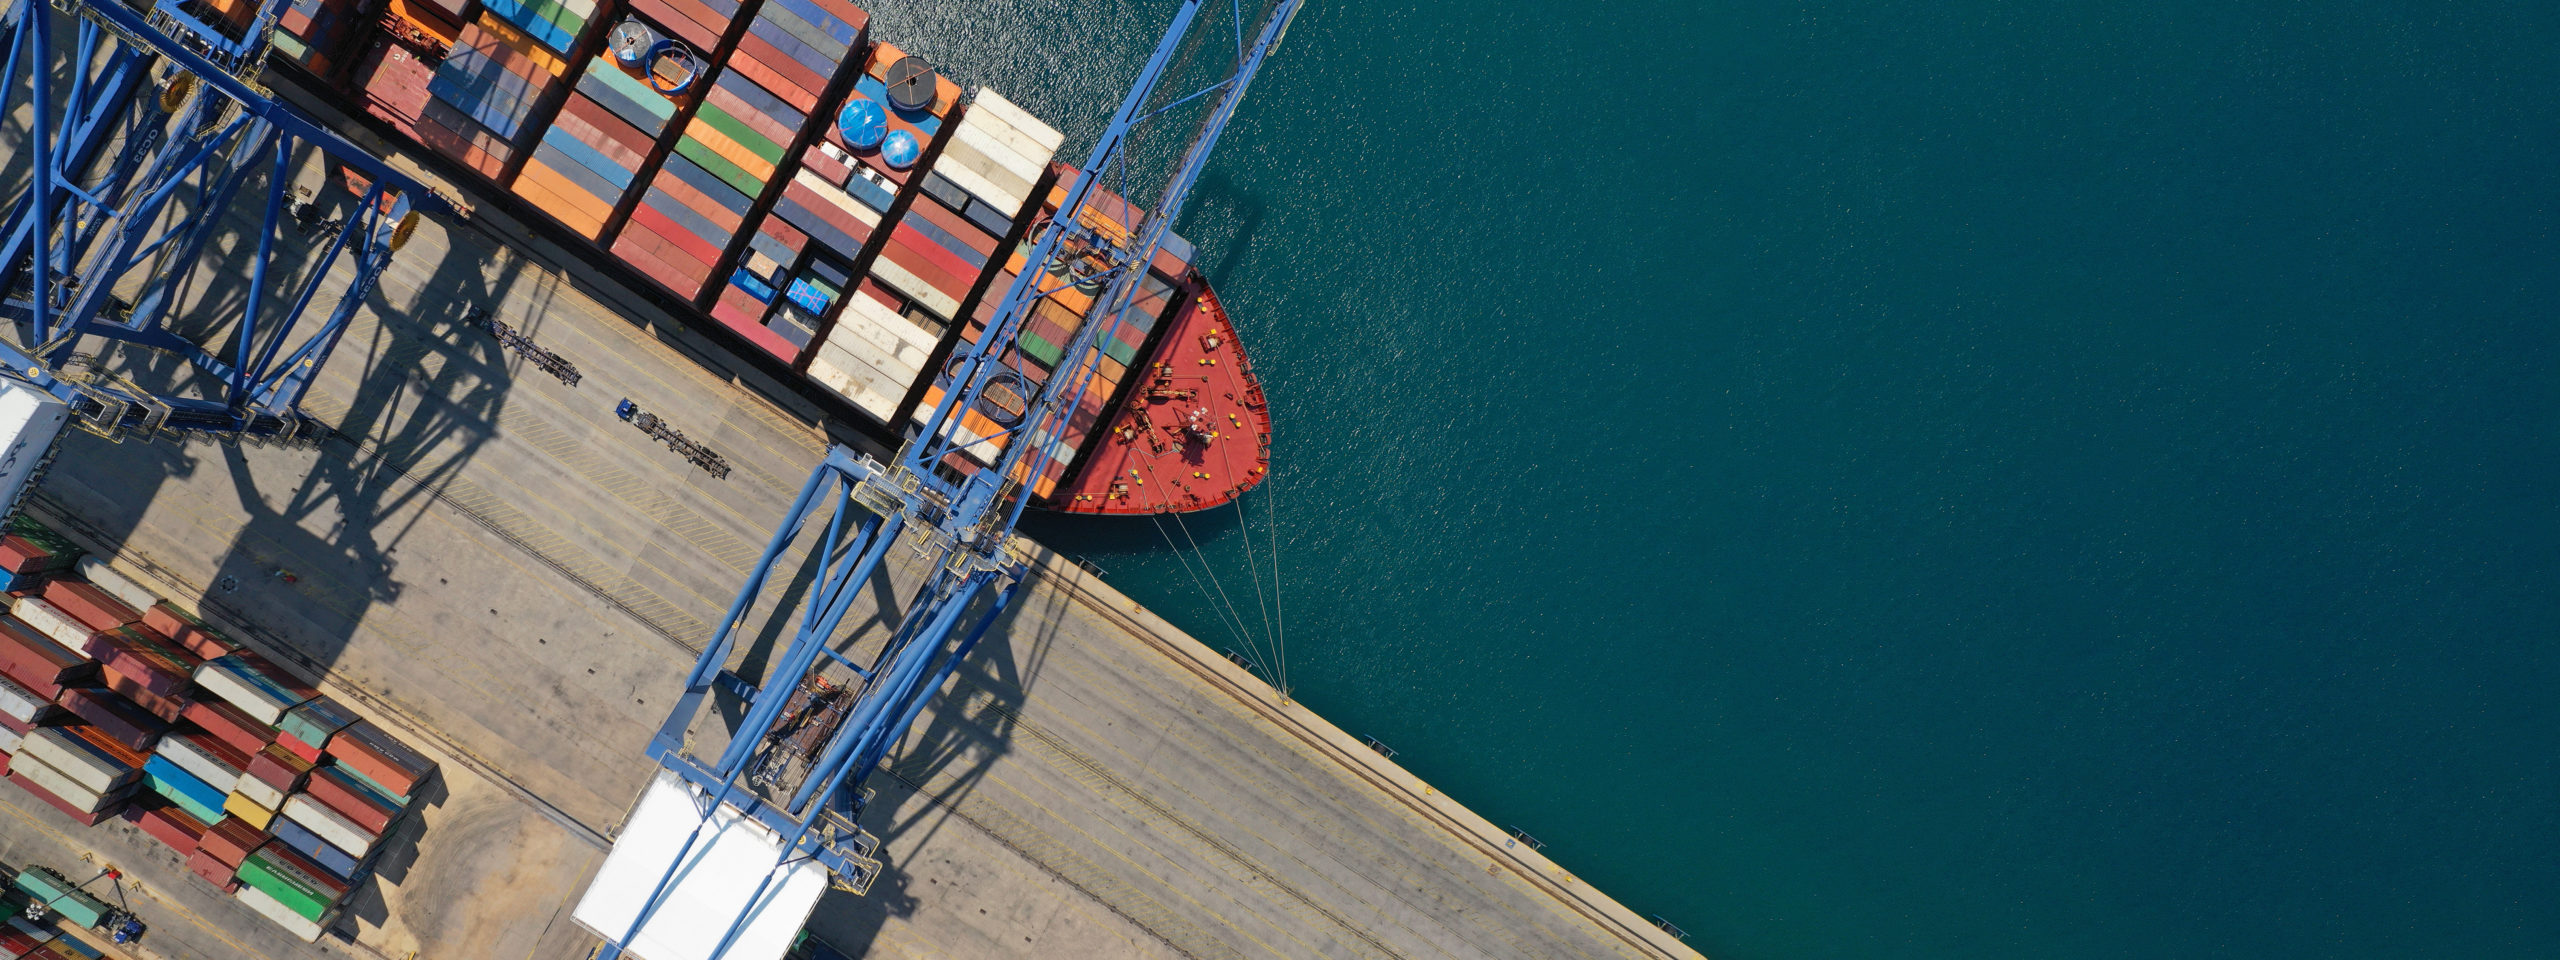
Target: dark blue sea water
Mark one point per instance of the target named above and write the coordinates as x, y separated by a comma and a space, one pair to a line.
1897, 479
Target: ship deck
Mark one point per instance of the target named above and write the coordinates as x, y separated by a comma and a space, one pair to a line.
1194, 431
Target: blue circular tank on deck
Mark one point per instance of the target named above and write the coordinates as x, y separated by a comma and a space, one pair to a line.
863, 123
899, 149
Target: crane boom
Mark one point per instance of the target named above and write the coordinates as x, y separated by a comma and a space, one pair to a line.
770, 788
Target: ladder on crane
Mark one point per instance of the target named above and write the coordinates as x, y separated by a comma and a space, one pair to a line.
675, 886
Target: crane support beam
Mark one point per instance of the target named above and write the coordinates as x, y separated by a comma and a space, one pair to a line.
961, 525
127, 194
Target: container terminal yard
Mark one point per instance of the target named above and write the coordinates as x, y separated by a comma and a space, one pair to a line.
474, 579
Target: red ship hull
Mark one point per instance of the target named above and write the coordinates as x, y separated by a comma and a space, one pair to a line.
1194, 431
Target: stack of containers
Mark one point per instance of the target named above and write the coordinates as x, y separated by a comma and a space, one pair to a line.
925, 282
273, 793
791, 51
876, 348
982, 183
720, 163
587, 159
309, 30
1054, 323
651, 240
765, 125
618, 118
828, 210
77, 770
553, 23
31, 554
699, 23
484, 92
18, 938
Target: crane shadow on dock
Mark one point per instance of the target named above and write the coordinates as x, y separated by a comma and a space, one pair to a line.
290, 548
929, 778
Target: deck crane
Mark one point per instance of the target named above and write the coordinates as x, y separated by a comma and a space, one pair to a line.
144, 129
676, 886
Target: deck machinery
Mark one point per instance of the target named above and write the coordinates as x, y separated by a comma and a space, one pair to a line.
726, 854
144, 126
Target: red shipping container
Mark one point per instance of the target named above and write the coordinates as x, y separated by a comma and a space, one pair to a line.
827, 168
187, 632
279, 768
85, 819
350, 800
666, 14
213, 870
168, 709
144, 641
225, 722
17, 726
93, 607
615, 128
114, 717
21, 555
777, 72
137, 660
170, 825
36, 662
16, 942
294, 745
686, 242
4, 761
382, 758
231, 840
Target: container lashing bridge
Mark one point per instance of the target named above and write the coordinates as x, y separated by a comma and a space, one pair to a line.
677, 885
145, 127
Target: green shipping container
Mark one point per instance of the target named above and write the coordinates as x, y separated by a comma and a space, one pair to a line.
58, 895
305, 901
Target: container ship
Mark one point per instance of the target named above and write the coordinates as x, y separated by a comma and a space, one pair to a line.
823, 201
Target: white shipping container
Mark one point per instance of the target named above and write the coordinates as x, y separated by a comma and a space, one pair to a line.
61, 784
1002, 197
266, 906
54, 624
117, 585
989, 145
20, 703
253, 699
991, 124
77, 759
1019, 119
10, 740
339, 831
196, 761
30, 419
258, 792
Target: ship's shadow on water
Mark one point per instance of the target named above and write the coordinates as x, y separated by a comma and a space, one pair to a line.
1097, 540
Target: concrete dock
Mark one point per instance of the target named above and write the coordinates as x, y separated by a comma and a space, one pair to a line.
492, 563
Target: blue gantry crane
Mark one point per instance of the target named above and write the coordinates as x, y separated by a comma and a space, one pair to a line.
795, 759
148, 126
